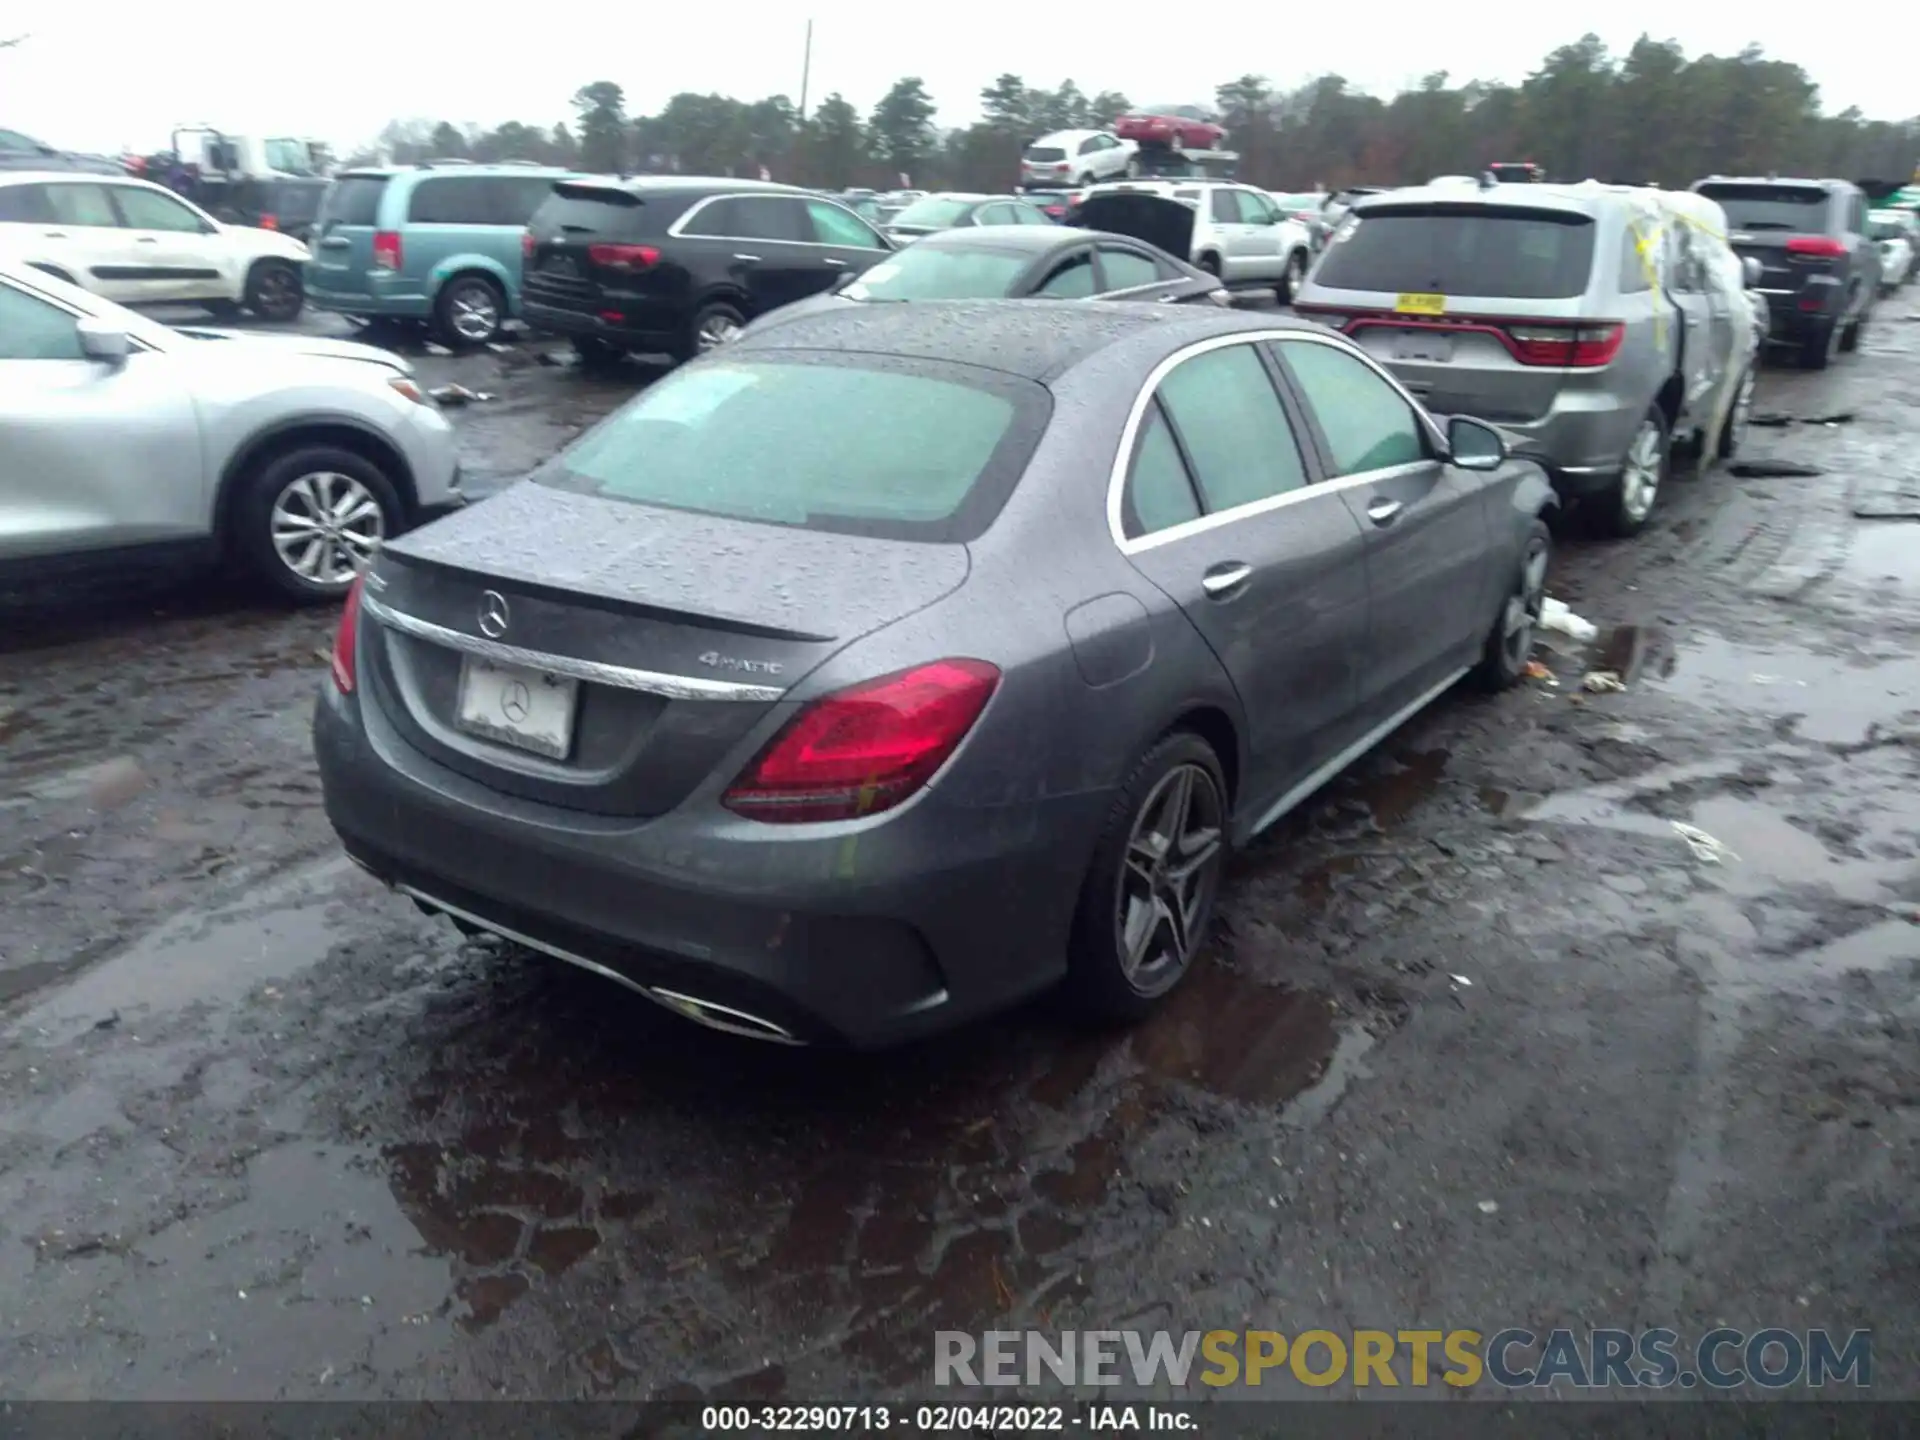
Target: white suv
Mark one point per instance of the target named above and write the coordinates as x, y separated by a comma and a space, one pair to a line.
137, 243
1071, 159
1235, 232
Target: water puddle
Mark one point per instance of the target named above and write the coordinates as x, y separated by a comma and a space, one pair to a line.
1833, 700
221, 955
1885, 556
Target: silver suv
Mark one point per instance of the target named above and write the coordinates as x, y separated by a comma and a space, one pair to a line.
1597, 323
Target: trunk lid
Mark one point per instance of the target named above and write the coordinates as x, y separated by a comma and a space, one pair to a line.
579, 220
679, 632
1143, 215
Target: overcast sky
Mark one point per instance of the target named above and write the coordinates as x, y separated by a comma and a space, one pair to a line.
104, 79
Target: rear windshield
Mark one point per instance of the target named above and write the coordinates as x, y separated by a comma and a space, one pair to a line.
1886, 225
1771, 207
934, 211
353, 200
1434, 249
591, 210
1041, 154
927, 272
863, 445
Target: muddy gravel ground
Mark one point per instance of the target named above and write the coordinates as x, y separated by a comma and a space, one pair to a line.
1483, 1041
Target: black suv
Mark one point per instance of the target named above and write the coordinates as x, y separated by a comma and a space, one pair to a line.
676, 265
1819, 269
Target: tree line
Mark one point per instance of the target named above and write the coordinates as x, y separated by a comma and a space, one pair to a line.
1652, 115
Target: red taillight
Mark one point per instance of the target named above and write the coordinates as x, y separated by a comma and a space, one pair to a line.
386, 250
1822, 245
269, 222
623, 257
526, 244
865, 749
1576, 346
344, 639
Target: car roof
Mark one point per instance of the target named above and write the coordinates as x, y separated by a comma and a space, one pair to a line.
1065, 135
689, 185
71, 177
1034, 239
1802, 181
1571, 199
1019, 337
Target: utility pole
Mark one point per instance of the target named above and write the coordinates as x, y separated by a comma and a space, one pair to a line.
806, 71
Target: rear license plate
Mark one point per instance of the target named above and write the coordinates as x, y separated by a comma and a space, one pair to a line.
1435, 349
524, 708
1421, 305
561, 266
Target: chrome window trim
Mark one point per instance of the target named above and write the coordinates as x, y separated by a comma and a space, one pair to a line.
676, 231
1130, 432
650, 682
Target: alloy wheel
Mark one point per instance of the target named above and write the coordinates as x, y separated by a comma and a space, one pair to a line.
325, 526
1523, 608
715, 331
277, 293
1171, 869
473, 313
1640, 474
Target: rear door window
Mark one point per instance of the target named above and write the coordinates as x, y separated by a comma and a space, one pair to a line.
1368, 425
451, 200
912, 451
1227, 414
1127, 268
753, 217
353, 200
86, 205
1159, 492
25, 204
1465, 250
1071, 280
1794, 209
1224, 208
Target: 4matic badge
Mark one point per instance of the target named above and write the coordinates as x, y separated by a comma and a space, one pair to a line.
718, 661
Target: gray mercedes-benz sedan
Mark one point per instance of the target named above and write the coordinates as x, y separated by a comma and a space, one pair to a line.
903, 661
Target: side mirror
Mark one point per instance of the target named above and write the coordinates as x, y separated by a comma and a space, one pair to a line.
1750, 268
104, 341
1474, 445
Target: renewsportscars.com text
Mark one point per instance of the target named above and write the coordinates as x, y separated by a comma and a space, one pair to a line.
1511, 1359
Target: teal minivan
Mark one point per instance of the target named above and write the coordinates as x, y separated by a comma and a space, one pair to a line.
436, 242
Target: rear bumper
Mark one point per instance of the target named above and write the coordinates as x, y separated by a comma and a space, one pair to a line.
864, 936
1581, 440
1793, 315
396, 307
654, 333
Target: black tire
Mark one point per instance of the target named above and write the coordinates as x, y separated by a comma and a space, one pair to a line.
1295, 277
1509, 643
596, 354
1623, 511
1100, 986
473, 302
715, 313
1816, 350
275, 292
1852, 334
1211, 264
1734, 431
254, 518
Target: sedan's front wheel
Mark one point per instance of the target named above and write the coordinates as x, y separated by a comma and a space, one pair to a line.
1148, 897
1509, 644
275, 291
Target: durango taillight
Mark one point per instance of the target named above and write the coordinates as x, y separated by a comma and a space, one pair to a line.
1823, 246
345, 639
269, 222
623, 257
865, 749
526, 243
1576, 346
386, 250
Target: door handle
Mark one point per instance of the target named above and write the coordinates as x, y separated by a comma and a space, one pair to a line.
829, 260
1382, 512
145, 240
1223, 578
748, 259
55, 235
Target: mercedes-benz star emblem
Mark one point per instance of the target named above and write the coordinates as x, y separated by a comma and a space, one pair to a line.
493, 614
515, 701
